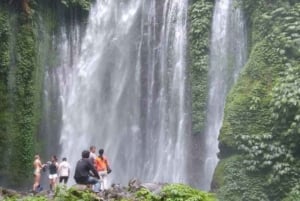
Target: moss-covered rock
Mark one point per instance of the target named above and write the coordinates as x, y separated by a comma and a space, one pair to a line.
261, 118
174, 192
200, 16
235, 183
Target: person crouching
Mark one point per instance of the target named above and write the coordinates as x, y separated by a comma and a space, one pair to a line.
83, 170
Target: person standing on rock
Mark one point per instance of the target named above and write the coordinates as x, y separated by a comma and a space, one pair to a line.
93, 154
53, 167
103, 168
37, 165
64, 171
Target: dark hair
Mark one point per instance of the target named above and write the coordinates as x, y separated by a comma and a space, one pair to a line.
101, 151
64, 159
54, 158
85, 154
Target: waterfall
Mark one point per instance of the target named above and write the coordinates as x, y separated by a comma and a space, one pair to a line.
227, 57
122, 87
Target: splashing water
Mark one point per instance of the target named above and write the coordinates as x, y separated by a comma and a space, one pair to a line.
227, 57
123, 88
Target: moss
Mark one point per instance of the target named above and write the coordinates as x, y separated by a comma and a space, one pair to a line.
184, 192
4, 70
26, 113
246, 111
24, 51
236, 184
294, 194
261, 110
200, 16
83, 4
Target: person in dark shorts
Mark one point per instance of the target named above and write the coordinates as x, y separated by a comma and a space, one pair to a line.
64, 171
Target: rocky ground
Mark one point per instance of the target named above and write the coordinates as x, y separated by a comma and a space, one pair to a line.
134, 191
115, 192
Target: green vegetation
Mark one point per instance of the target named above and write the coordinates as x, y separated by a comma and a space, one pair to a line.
4, 99
22, 103
260, 137
26, 29
178, 192
237, 184
200, 15
83, 4
170, 192
18, 105
175, 192
262, 114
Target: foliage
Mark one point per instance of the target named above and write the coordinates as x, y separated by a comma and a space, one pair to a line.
170, 192
84, 4
175, 192
262, 111
19, 106
294, 194
238, 184
64, 194
23, 54
200, 15
25, 116
28, 198
4, 71
246, 110
180, 192
144, 195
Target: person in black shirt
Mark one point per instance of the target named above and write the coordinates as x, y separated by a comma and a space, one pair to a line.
53, 166
83, 170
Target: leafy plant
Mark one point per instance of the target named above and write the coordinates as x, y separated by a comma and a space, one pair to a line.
262, 111
180, 192
200, 15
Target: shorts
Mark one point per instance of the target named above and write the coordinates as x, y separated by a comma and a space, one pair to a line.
63, 179
52, 176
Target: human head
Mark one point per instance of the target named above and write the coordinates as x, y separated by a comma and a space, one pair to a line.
36, 157
85, 154
53, 158
92, 149
101, 151
64, 159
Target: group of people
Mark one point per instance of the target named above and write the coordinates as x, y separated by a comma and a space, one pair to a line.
56, 170
90, 170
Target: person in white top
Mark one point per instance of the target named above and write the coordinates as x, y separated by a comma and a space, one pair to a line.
93, 155
64, 171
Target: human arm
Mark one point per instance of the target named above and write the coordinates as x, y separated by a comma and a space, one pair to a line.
108, 169
93, 169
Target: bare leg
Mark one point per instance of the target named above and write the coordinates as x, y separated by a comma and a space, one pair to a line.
36, 183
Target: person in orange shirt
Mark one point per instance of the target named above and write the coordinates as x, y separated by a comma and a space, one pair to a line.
103, 168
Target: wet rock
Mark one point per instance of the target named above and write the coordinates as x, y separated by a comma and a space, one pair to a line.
4, 192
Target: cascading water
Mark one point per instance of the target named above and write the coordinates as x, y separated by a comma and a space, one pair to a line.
227, 57
123, 88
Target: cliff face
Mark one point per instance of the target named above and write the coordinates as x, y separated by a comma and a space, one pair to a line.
20, 92
26, 29
260, 133
258, 141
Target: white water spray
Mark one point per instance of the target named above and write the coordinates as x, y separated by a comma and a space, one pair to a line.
123, 88
227, 57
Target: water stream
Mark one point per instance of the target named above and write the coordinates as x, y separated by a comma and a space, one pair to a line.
122, 87
121, 84
227, 57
